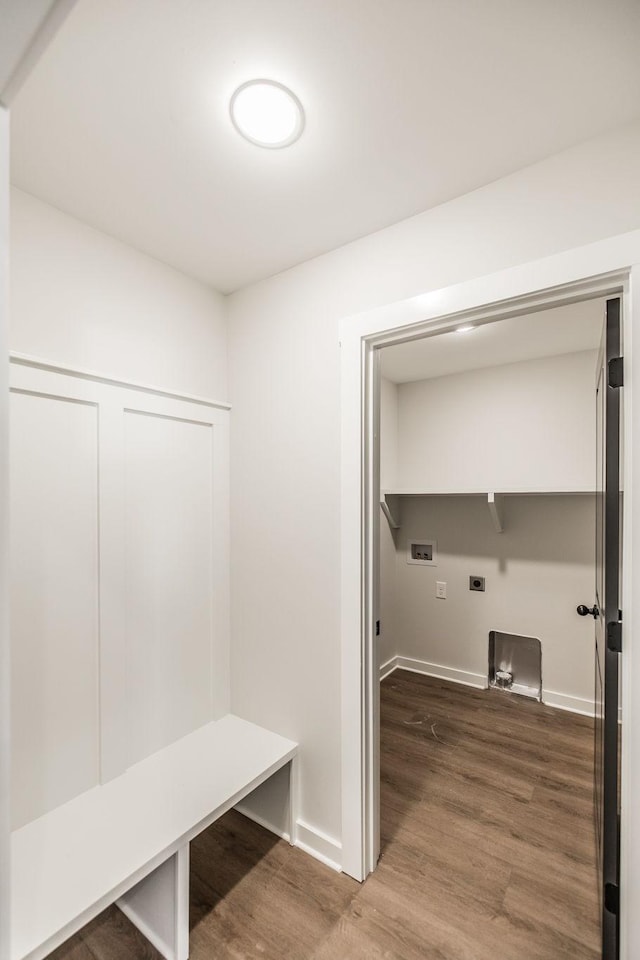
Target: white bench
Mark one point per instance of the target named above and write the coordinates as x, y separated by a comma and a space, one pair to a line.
127, 841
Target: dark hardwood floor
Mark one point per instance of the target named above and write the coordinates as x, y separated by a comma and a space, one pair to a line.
488, 850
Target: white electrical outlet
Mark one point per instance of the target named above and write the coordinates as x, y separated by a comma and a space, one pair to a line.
441, 590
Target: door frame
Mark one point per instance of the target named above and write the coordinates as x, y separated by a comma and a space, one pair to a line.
608, 267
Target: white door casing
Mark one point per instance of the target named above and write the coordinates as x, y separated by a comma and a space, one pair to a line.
607, 267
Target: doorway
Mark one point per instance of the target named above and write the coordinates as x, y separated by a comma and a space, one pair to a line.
572, 277
488, 542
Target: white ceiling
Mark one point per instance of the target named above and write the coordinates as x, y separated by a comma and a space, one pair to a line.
124, 121
549, 333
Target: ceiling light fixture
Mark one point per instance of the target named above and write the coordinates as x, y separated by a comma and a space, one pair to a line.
267, 113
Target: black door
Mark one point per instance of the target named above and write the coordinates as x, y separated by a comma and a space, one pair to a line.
608, 627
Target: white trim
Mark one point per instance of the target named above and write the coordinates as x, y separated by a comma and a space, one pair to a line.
5, 715
524, 492
319, 845
580, 705
353, 647
311, 840
564, 701
597, 269
463, 677
386, 669
24, 360
579, 274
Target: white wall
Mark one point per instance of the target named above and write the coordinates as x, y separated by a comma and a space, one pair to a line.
86, 300
4, 539
387, 642
519, 426
537, 571
284, 368
388, 434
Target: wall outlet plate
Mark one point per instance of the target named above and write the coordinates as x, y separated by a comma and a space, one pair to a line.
423, 551
476, 583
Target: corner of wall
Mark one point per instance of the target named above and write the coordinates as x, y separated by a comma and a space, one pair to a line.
4, 540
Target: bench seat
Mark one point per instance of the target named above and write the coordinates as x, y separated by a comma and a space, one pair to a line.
71, 863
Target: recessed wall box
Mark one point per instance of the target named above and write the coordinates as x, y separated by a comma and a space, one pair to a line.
476, 583
515, 664
423, 551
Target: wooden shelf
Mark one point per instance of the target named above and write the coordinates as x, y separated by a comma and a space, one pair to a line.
390, 505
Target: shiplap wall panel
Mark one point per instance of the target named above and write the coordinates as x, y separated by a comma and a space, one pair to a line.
54, 602
168, 578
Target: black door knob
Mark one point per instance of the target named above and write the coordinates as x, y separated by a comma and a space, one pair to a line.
585, 611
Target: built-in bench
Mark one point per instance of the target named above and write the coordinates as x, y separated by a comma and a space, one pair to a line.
127, 841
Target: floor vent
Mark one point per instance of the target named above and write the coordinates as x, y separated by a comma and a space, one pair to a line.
515, 664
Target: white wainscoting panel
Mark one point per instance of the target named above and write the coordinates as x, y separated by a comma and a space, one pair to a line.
168, 578
120, 590
54, 601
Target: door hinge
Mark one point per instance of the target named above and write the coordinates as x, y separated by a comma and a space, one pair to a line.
614, 637
377, 628
612, 897
616, 372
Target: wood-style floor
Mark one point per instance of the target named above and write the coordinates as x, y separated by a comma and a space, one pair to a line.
487, 850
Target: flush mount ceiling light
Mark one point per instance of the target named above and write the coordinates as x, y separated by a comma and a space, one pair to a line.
267, 113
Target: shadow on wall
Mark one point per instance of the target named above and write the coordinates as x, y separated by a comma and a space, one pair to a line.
545, 529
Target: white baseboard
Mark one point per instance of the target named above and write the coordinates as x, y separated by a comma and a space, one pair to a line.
319, 845
313, 841
464, 677
388, 667
562, 701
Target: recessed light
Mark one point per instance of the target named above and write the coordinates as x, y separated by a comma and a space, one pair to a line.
467, 328
267, 113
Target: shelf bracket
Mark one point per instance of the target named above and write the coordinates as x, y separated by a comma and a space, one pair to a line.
389, 505
494, 501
